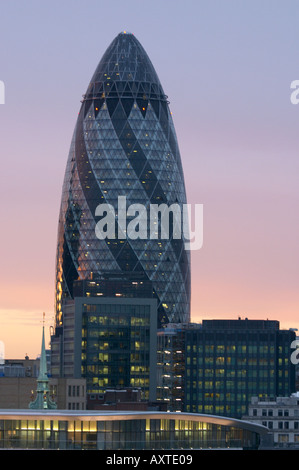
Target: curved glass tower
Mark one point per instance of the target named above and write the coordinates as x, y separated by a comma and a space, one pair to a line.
124, 144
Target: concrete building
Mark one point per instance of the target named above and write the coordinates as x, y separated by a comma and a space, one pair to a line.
280, 416
27, 383
17, 392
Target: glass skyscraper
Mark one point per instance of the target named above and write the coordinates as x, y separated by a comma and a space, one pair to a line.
124, 144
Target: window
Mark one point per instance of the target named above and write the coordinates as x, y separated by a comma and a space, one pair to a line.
283, 438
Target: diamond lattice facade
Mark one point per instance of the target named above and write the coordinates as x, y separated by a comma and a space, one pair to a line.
124, 144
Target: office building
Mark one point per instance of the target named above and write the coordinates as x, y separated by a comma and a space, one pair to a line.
229, 361
109, 337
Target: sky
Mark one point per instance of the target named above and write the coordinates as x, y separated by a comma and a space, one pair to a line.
226, 68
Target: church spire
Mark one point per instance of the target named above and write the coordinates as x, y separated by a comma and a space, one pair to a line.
43, 400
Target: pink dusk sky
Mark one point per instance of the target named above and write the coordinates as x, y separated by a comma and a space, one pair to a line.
226, 68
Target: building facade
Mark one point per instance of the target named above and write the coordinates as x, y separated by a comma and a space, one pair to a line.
118, 399
20, 367
17, 391
26, 383
229, 361
109, 341
280, 416
171, 366
124, 145
30, 429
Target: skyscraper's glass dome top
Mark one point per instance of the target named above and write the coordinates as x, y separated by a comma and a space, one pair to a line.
124, 144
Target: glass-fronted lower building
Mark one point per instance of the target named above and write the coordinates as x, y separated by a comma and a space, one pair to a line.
24, 429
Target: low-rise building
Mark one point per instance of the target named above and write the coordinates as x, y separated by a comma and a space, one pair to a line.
26, 383
124, 430
17, 392
280, 416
